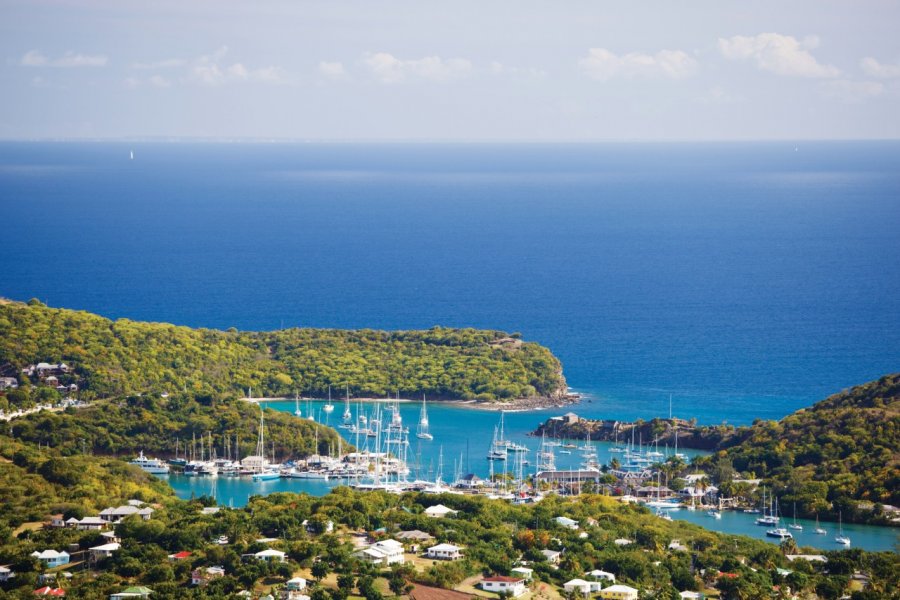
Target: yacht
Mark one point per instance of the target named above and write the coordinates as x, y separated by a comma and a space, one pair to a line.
819, 529
795, 526
780, 533
347, 418
423, 432
841, 538
329, 407
714, 514
150, 465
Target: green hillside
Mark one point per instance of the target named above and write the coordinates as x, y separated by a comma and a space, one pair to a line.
841, 454
116, 358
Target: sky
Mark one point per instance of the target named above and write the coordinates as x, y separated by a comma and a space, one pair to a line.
450, 71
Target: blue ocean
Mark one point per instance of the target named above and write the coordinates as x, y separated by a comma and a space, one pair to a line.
746, 280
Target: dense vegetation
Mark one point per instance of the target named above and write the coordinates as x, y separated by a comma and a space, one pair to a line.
37, 482
841, 454
153, 424
494, 534
115, 358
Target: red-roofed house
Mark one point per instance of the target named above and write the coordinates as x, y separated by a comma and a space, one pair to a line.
180, 555
49, 591
501, 584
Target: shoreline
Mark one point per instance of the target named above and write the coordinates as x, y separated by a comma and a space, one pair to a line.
517, 405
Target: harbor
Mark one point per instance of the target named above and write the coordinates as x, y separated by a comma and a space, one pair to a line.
393, 456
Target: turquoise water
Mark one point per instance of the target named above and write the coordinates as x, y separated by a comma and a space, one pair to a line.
464, 435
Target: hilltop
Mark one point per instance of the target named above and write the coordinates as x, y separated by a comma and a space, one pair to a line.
117, 358
841, 454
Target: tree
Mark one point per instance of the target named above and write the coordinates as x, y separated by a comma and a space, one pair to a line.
319, 570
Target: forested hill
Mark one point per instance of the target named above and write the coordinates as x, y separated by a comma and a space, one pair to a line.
843, 453
113, 358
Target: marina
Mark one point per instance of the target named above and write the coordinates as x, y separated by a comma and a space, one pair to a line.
457, 455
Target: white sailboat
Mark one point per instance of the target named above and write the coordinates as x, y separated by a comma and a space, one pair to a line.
841, 538
297, 410
422, 432
819, 529
795, 526
329, 407
347, 418
262, 470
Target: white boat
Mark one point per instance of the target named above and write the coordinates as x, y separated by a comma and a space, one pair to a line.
714, 514
780, 533
795, 526
767, 519
662, 514
841, 538
267, 475
297, 410
498, 449
329, 407
317, 475
347, 418
819, 529
422, 432
150, 465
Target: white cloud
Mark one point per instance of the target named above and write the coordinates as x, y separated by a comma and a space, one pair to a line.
34, 58
499, 68
873, 68
332, 70
210, 69
852, 91
603, 65
389, 69
169, 63
776, 53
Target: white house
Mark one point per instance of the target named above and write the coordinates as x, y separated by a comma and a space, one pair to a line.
385, 552
136, 591
439, 511
270, 555
444, 552
619, 592
52, 558
598, 574
567, 522
514, 586
551, 556
623, 542
203, 576
689, 595
525, 572
117, 513
580, 586
91, 524
6, 574
104, 550
296, 584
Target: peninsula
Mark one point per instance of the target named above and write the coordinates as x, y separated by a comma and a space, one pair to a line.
106, 358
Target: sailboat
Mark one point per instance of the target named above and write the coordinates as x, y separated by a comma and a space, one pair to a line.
778, 532
297, 410
329, 407
841, 538
498, 450
347, 418
796, 526
819, 529
767, 518
263, 470
422, 431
